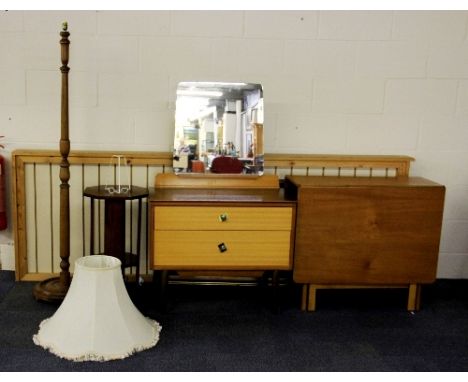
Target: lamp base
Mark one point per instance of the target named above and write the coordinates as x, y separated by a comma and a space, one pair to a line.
50, 290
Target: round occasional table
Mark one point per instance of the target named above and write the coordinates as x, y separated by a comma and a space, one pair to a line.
114, 222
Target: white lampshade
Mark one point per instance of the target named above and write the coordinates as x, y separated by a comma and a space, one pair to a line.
97, 321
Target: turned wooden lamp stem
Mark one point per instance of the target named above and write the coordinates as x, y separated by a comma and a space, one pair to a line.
64, 164
55, 289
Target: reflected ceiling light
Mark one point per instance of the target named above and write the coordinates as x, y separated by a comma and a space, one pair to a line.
203, 93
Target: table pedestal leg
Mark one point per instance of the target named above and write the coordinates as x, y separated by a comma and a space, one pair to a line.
114, 234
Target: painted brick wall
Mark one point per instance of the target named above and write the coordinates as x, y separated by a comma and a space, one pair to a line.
380, 82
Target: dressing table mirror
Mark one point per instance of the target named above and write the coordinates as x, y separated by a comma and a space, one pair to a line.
219, 128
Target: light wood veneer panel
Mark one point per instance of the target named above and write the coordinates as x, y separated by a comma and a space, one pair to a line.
199, 249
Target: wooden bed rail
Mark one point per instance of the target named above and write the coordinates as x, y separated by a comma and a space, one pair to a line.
35, 187
400, 164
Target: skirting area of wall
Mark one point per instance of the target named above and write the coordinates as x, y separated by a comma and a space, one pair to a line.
36, 187
7, 257
453, 266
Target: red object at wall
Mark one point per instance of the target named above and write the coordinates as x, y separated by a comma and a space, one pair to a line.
3, 216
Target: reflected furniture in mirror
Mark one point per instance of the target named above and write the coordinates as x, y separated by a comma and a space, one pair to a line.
219, 128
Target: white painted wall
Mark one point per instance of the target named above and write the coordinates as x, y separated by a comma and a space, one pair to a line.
356, 82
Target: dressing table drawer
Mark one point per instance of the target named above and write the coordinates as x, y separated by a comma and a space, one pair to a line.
222, 249
222, 218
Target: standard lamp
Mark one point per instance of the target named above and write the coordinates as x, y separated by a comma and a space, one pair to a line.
96, 320
54, 289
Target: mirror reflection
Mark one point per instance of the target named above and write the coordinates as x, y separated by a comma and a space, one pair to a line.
219, 128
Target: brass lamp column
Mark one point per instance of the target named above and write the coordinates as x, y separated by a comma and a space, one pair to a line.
55, 289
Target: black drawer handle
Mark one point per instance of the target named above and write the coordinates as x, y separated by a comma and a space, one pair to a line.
223, 217
222, 247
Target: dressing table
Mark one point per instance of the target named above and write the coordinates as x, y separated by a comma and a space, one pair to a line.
211, 223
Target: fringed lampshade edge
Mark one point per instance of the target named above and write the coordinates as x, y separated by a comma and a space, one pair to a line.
93, 356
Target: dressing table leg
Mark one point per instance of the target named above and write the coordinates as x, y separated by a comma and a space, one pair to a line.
305, 289
275, 287
274, 279
163, 287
